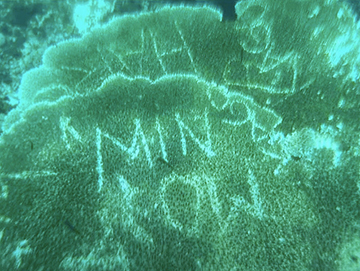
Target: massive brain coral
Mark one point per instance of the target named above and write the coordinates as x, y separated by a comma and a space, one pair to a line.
173, 140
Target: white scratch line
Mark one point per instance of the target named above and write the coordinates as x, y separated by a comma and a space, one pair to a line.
4, 191
99, 166
22, 249
255, 195
183, 140
29, 174
187, 48
206, 147
162, 144
134, 150
255, 209
157, 53
144, 142
4, 219
64, 125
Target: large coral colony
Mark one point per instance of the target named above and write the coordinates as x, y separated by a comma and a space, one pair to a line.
171, 139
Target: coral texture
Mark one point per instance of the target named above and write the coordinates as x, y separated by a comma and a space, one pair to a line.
172, 140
